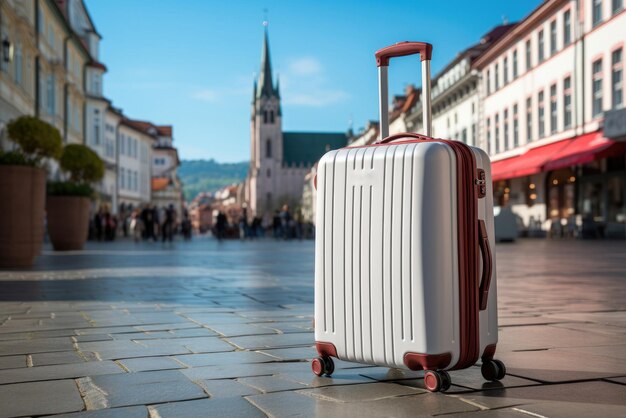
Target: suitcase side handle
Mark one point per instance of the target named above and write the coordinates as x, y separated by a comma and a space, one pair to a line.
382, 62
485, 250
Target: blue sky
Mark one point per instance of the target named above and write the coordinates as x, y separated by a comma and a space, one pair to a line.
190, 63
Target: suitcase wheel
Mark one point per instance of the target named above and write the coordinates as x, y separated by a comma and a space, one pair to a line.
437, 380
323, 366
493, 370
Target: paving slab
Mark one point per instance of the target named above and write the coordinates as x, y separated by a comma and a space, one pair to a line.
273, 341
226, 388
143, 364
59, 371
221, 407
139, 411
137, 389
57, 357
559, 365
39, 398
12, 362
595, 392
298, 403
231, 357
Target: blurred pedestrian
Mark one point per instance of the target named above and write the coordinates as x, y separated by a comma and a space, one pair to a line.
220, 225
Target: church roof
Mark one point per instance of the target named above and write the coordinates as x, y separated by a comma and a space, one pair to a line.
265, 86
307, 148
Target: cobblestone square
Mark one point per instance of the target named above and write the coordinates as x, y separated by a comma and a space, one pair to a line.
225, 329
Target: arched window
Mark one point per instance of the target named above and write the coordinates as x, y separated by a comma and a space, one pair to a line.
265, 116
271, 116
268, 148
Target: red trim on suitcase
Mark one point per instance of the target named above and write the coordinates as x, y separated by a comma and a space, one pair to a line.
489, 352
416, 361
326, 349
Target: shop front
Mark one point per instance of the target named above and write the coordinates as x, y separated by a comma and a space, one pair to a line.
570, 188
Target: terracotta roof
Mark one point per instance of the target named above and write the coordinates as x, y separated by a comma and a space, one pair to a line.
165, 130
97, 64
160, 183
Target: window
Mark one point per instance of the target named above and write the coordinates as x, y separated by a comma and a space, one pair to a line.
541, 116
514, 64
567, 28
268, 148
567, 103
515, 127
122, 139
473, 140
617, 6
529, 120
50, 95
77, 118
597, 88
271, 116
122, 178
617, 80
540, 45
265, 116
488, 126
496, 76
496, 137
269, 173
553, 109
528, 56
17, 61
488, 81
505, 130
505, 68
96, 131
596, 15
51, 35
553, 47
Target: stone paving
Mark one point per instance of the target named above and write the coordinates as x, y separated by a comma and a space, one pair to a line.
208, 329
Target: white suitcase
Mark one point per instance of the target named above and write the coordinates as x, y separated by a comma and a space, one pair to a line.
404, 274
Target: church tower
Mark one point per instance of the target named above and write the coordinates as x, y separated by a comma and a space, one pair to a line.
266, 139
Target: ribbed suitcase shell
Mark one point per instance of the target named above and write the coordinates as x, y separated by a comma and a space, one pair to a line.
386, 259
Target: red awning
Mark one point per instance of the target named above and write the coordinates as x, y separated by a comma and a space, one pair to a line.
531, 162
582, 150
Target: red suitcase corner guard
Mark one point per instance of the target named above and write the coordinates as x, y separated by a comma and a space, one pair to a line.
416, 361
326, 349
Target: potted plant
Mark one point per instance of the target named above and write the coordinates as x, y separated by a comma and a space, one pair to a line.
23, 189
68, 201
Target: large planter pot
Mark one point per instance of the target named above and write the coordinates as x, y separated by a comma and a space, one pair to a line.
22, 201
68, 221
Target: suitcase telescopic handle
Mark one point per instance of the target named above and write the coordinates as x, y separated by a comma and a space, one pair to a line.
425, 50
485, 250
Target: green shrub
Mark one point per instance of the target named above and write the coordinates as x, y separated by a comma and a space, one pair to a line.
35, 138
14, 158
68, 188
82, 164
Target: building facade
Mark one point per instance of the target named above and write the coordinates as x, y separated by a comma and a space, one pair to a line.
41, 67
455, 95
135, 142
278, 160
166, 186
18, 52
546, 86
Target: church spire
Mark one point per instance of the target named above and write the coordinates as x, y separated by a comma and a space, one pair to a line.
265, 86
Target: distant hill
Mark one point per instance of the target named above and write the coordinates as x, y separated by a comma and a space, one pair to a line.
209, 175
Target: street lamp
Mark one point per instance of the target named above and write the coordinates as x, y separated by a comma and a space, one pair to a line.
7, 50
